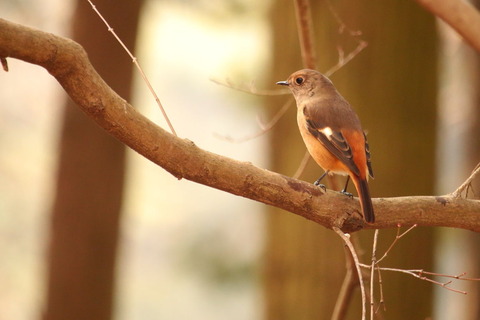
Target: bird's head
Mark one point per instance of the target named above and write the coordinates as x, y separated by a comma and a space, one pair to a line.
307, 83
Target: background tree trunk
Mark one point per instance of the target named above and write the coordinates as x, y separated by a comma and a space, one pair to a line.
458, 153
392, 86
301, 257
85, 218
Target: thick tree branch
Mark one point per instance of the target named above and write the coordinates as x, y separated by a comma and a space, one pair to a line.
460, 15
68, 63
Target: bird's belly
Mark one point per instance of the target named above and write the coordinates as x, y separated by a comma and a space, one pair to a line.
322, 156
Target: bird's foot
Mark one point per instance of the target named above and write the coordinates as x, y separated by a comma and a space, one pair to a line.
348, 194
318, 184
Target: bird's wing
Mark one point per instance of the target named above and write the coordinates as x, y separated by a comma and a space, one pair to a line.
334, 141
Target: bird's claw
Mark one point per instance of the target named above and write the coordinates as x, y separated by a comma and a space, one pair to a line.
318, 184
348, 194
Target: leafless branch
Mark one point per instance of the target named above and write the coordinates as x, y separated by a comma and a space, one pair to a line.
457, 193
302, 165
380, 285
68, 63
305, 33
419, 274
372, 273
422, 274
460, 276
397, 237
264, 128
355, 34
137, 64
348, 243
460, 15
342, 26
251, 89
350, 282
342, 60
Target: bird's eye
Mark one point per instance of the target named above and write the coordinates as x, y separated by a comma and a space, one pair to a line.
299, 80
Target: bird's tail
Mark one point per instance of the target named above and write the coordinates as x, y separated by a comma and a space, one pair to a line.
365, 199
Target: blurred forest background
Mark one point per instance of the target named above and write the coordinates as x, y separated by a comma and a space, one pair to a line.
90, 230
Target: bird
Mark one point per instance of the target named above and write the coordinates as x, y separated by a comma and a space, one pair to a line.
332, 133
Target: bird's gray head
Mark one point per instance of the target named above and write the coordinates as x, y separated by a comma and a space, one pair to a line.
307, 83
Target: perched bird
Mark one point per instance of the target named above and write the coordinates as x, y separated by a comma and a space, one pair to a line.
332, 132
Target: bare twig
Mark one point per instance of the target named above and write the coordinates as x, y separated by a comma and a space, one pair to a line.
251, 89
457, 193
372, 273
417, 273
137, 64
355, 34
375, 265
348, 243
420, 274
460, 15
380, 287
342, 60
460, 276
264, 127
302, 165
397, 237
342, 26
350, 282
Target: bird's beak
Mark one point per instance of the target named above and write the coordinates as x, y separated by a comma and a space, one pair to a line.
282, 83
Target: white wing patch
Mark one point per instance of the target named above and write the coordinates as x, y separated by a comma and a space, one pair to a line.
327, 131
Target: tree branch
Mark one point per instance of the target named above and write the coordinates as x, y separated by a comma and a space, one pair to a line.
457, 193
305, 33
68, 63
460, 15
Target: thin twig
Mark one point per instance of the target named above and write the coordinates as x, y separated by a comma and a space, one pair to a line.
350, 282
380, 287
420, 274
457, 277
457, 193
342, 25
344, 60
264, 127
397, 237
372, 272
137, 64
346, 239
355, 34
302, 165
251, 89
